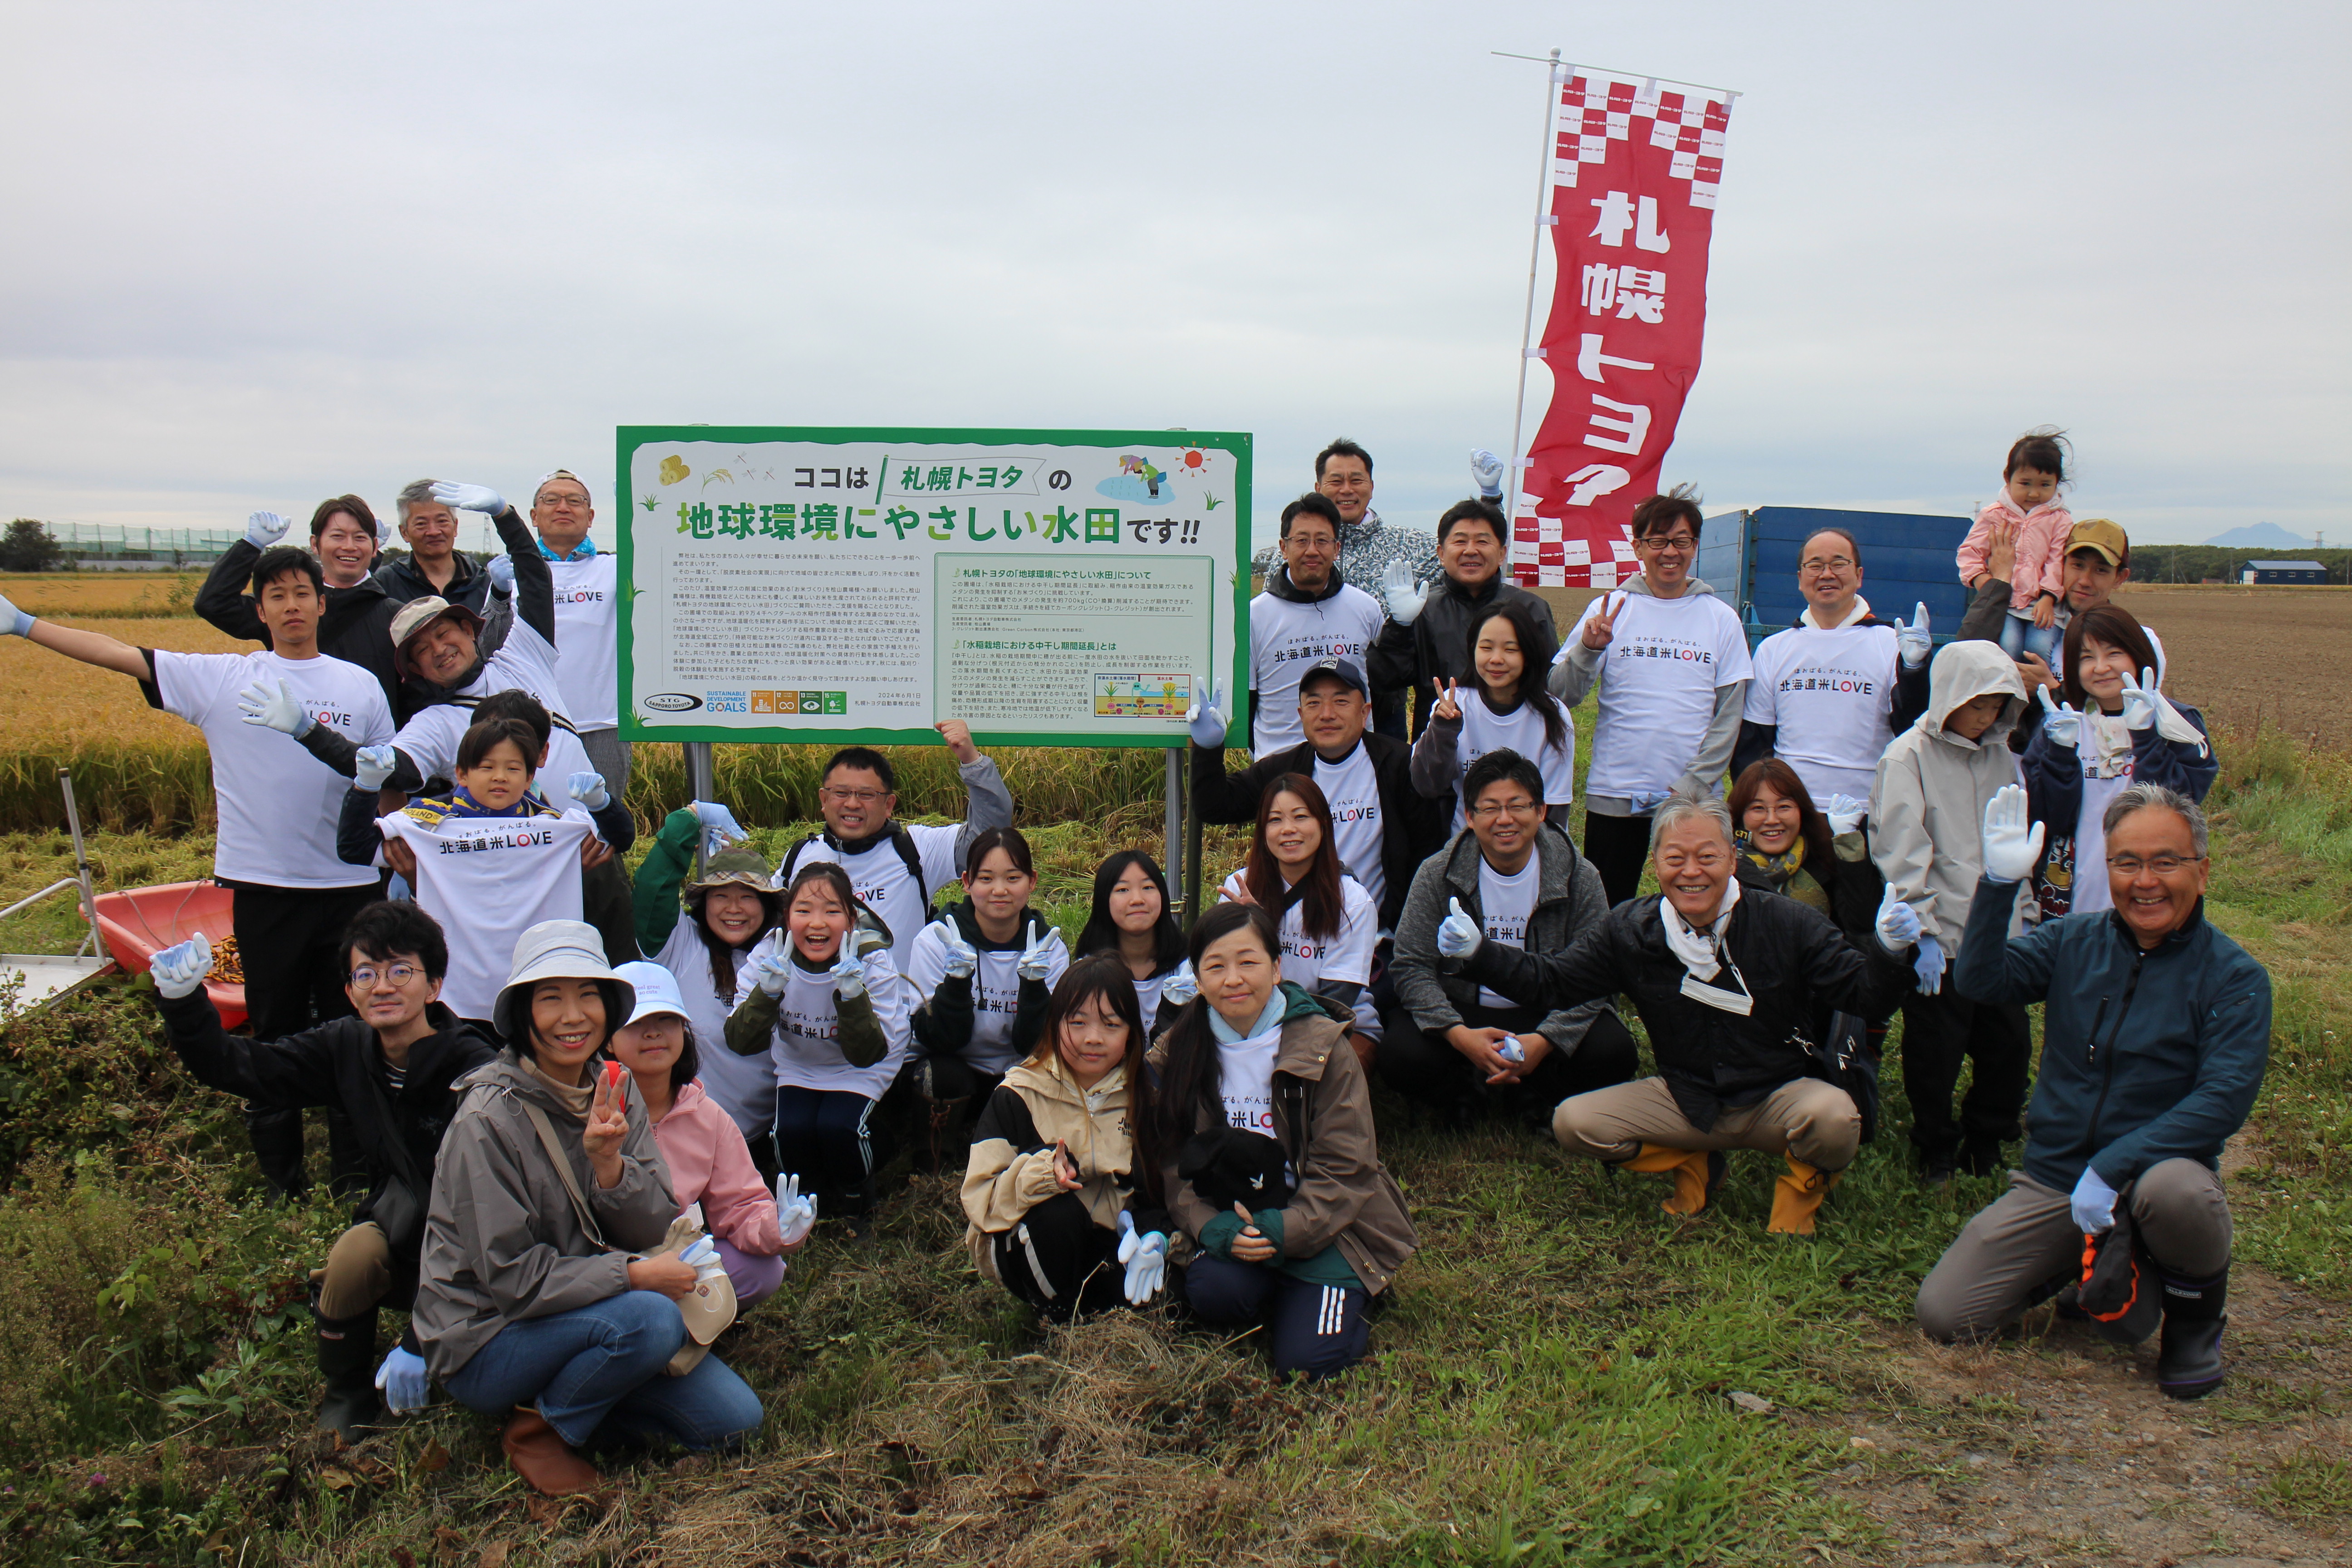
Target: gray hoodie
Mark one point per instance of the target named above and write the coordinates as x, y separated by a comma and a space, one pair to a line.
502, 1242
1927, 806
1577, 671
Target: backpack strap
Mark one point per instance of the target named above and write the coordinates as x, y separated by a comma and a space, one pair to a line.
560, 722
904, 842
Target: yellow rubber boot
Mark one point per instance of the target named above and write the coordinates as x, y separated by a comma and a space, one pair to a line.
1688, 1166
1796, 1197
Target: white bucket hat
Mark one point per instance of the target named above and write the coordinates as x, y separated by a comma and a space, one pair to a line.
555, 950
657, 990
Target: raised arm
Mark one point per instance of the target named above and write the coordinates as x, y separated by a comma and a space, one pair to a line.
223, 603
95, 648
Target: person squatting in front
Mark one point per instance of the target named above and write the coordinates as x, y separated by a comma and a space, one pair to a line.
1254, 1131
539, 1300
821, 998
1454, 1046
982, 974
1049, 1185
1729, 983
392, 1069
2155, 1035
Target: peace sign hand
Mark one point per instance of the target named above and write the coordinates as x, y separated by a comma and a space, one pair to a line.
2063, 722
2139, 699
1449, 707
608, 1123
1601, 627
962, 957
1036, 960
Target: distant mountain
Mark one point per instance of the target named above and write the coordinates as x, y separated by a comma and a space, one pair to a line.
2261, 536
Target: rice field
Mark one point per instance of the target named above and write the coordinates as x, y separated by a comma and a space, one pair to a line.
103, 595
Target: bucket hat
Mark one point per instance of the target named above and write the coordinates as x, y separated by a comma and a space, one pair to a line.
554, 950
412, 618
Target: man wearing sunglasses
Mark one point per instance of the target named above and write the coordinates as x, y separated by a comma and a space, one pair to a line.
392, 1070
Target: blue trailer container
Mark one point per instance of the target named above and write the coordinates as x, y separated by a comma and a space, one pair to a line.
1750, 557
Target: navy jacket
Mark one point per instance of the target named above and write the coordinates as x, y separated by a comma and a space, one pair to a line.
2146, 1055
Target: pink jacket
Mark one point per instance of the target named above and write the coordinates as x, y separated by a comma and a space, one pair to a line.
709, 1165
2041, 549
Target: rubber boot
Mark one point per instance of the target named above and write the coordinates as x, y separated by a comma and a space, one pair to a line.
277, 1138
2189, 1366
1695, 1171
1796, 1197
540, 1456
347, 1360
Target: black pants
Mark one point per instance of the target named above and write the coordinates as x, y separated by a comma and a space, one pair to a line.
1618, 847
1421, 1066
1313, 1331
1059, 1261
1937, 1032
289, 940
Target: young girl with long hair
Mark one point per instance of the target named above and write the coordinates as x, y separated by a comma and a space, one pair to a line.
1328, 924
1133, 916
1507, 709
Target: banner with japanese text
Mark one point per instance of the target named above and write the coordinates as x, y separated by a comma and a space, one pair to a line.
1634, 170
1047, 587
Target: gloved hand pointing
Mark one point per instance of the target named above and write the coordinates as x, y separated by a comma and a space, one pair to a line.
1458, 935
588, 789
180, 970
1401, 594
1898, 924
1846, 813
264, 528
2011, 845
2093, 1203
267, 702
1036, 956
796, 1214
2062, 722
404, 1380
469, 498
1207, 720
371, 765
1486, 472
2139, 700
1914, 642
962, 960
1146, 1258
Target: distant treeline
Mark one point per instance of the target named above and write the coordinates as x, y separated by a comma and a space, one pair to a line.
2196, 563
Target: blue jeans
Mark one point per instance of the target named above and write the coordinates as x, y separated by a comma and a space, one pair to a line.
601, 1366
2019, 634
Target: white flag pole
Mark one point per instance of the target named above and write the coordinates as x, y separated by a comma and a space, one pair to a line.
1518, 459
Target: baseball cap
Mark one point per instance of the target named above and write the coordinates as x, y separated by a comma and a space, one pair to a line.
2100, 534
1345, 668
657, 990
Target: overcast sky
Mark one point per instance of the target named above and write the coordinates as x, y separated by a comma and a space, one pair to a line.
262, 254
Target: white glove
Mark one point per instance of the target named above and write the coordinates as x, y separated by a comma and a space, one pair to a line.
1403, 596
2010, 846
960, 958
1458, 935
2062, 722
14, 621
1208, 723
1914, 642
383, 535
1036, 958
266, 701
1512, 1051
796, 1214
849, 975
2093, 1203
1845, 814
1145, 1253
469, 498
1899, 922
1929, 965
772, 970
588, 789
702, 1257
1486, 472
720, 822
2139, 700
180, 970
403, 1381
1643, 805
501, 571
371, 765
1179, 987
264, 528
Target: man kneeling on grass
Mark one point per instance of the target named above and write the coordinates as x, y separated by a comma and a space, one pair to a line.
2154, 1034
1728, 981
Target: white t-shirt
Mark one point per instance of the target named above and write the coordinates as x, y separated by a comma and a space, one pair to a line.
1147, 998
1345, 956
995, 990
1246, 1080
1658, 680
431, 736
1285, 636
587, 620
743, 1086
1354, 790
277, 804
1832, 696
488, 880
1520, 731
882, 882
1505, 905
806, 1048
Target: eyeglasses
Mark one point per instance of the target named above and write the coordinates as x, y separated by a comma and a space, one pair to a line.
399, 975
1487, 810
1680, 544
2132, 865
563, 501
1834, 563
862, 796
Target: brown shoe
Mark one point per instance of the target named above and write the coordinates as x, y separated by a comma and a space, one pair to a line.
543, 1458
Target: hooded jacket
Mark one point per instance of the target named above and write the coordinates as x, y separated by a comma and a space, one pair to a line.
356, 627
502, 1242
708, 1164
1579, 670
1927, 818
1436, 645
1569, 901
2146, 1055
1343, 1195
1793, 961
1011, 1170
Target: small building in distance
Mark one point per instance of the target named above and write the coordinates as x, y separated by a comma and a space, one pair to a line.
2261, 571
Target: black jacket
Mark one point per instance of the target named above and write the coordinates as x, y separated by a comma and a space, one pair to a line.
470, 587
1436, 647
1413, 827
943, 1020
1791, 959
1757, 742
339, 1065
356, 628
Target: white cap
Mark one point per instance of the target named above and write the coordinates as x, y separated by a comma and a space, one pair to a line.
657, 990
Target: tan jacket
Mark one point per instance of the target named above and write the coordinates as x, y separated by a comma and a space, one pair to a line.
1011, 1166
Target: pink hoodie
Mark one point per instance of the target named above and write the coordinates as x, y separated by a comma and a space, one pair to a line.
2040, 549
709, 1165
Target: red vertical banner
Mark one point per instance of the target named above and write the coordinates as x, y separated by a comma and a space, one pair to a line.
1635, 165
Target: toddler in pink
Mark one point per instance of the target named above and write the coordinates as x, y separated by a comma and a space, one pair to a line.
2029, 498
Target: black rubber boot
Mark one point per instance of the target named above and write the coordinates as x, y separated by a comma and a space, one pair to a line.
1982, 1156
854, 1206
277, 1138
347, 1358
2190, 1364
